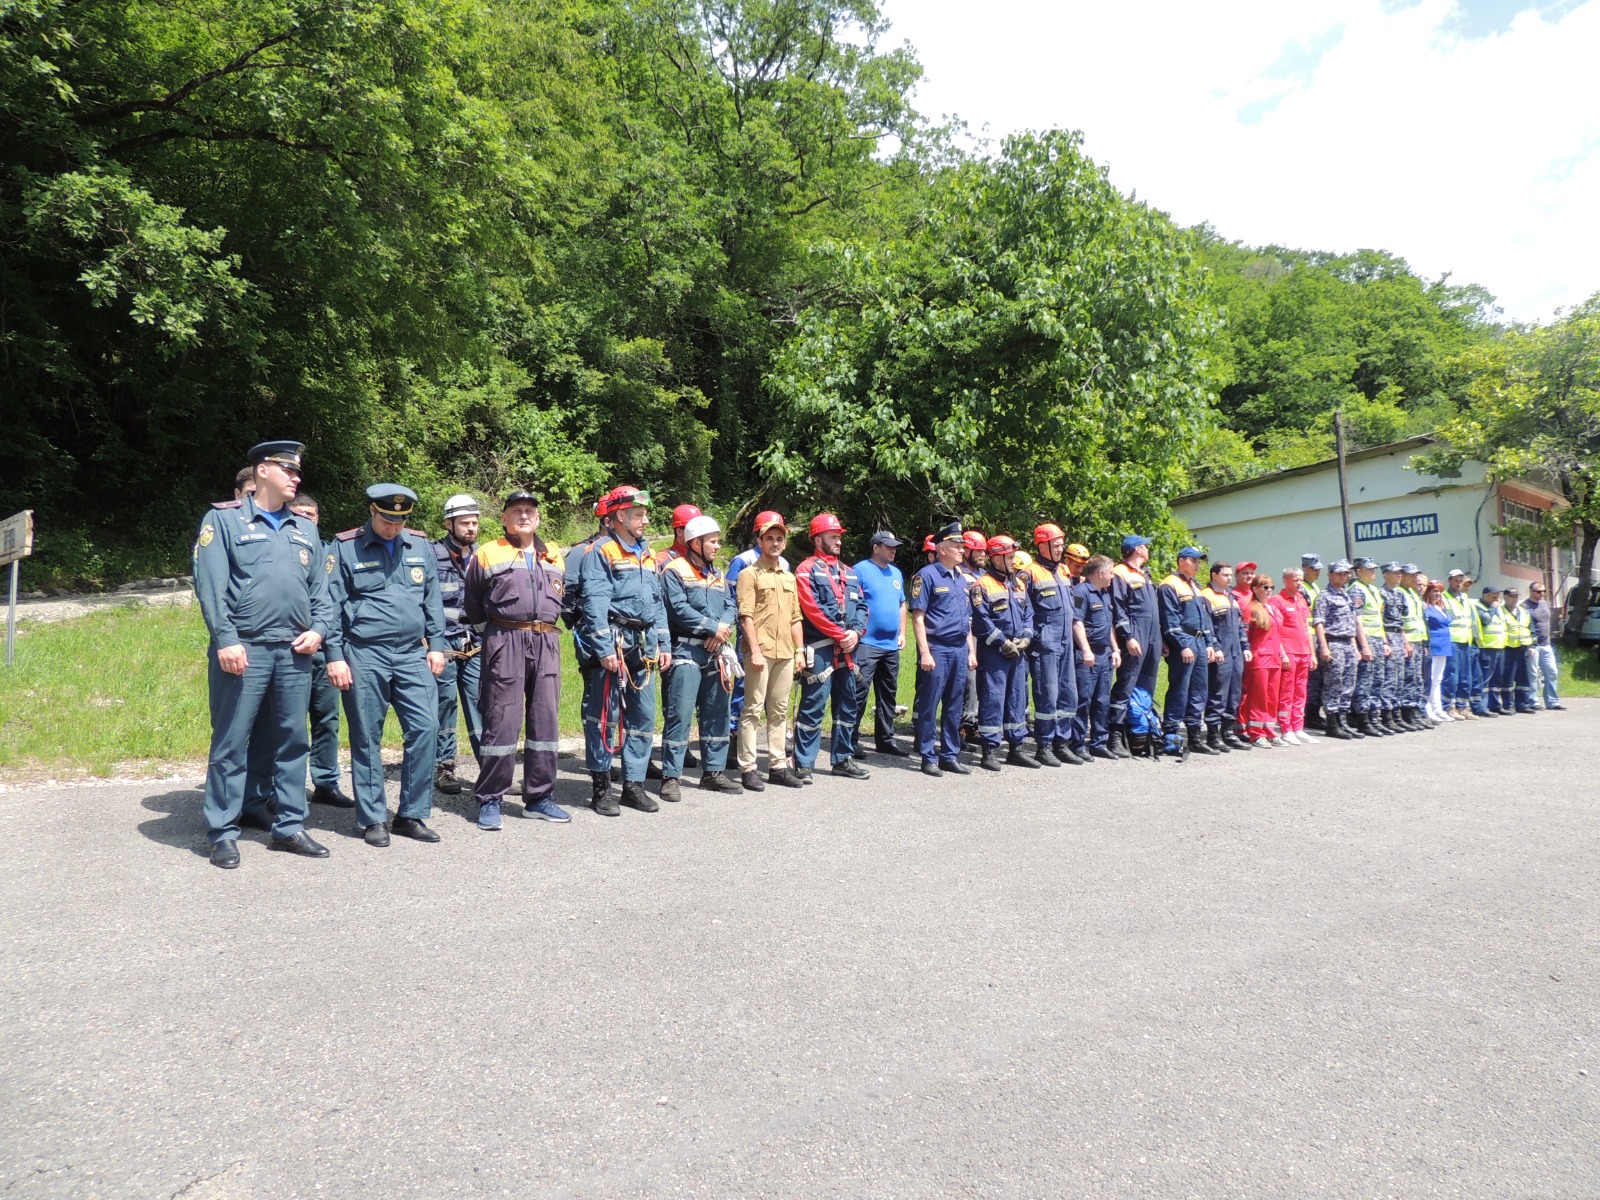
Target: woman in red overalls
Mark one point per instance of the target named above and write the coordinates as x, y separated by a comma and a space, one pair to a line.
1263, 675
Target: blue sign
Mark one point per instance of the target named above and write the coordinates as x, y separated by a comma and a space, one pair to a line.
1396, 527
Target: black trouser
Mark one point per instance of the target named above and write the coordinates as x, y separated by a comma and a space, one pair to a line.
880, 673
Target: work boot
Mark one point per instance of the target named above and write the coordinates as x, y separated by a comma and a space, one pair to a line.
718, 782
1067, 756
1231, 738
444, 778
1352, 724
601, 799
690, 759
1194, 741
1118, 743
652, 770
782, 776
634, 796
752, 781
1018, 757
1046, 757
670, 791
1334, 728
1102, 752
989, 758
1214, 740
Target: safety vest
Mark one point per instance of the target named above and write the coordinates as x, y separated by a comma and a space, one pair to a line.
1416, 621
1460, 617
1519, 627
1371, 609
1492, 617
1313, 590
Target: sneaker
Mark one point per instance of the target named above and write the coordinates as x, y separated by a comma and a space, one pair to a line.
851, 769
752, 781
718, 782
545, 810
489, 814
1291, 738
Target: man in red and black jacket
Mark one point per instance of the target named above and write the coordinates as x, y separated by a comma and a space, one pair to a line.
833, 616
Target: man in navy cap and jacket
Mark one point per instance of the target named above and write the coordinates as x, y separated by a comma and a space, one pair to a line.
1137, 621
260, 583
387, 649
941, 617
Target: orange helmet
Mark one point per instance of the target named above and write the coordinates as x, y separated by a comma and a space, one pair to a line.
825, 523
1002, 544
683, 514
619, 498
973, 542
768, 520
1044, 534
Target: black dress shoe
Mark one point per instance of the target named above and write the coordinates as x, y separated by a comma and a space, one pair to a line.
413, 828
376, 835
893, 751
851, 769
300, 843
929, 767
256, 820
956, 767
225, 854
332, 797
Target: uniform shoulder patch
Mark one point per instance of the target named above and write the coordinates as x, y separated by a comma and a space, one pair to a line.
417, 533
228, 504
348, 534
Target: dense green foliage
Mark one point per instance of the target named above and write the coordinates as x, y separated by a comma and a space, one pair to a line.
706, 246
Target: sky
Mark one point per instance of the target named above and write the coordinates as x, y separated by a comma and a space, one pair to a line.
1461, 135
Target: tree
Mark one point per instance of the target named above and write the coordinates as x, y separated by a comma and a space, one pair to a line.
1033, 349
1534, 411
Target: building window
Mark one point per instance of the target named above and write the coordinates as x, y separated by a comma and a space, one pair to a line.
1515, 554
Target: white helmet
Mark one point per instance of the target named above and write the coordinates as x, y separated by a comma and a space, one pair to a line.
699, 527
461, 505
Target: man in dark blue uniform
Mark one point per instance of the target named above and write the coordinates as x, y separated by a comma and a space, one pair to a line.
1097, 658
458, 683
941, 616
1185, 628
1137, 623
1226, 682
262, 589
1050, 651
1002, 627
387, 650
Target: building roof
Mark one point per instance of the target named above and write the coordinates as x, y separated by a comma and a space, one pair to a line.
1327, 464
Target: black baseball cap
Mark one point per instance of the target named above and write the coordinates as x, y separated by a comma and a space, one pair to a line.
884, 538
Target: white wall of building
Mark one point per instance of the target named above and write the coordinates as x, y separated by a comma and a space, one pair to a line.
1276, 520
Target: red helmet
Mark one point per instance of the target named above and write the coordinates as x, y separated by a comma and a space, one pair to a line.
619, 498
1001, 544
927, 545
767, 520
1043, 535
973, 542
683, 514
825, 523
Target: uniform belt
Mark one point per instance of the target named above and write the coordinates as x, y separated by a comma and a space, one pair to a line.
1340, 637
623, 622
534, 626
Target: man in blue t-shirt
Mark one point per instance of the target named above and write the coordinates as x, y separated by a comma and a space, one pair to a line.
878, 654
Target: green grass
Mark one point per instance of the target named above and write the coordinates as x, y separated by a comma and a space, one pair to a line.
125, 689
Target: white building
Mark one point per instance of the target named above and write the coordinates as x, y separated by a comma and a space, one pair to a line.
1396, 511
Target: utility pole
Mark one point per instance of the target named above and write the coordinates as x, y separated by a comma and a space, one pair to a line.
1344, 489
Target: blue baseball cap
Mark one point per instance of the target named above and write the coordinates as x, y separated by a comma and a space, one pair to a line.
1133, 541
1191, 552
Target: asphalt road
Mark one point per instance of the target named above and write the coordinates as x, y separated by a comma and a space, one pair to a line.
1342, 970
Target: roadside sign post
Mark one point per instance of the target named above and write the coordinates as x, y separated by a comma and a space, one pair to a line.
16, 543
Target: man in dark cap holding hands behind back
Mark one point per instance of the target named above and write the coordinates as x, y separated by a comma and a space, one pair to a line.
389, 646
261, 586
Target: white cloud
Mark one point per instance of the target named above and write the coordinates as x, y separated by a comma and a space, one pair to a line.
1323, 125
